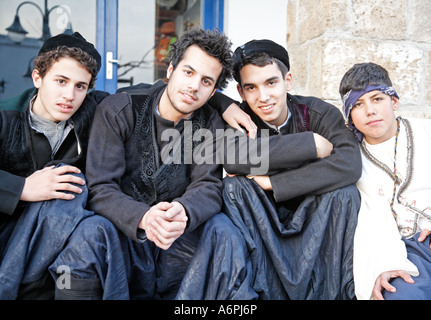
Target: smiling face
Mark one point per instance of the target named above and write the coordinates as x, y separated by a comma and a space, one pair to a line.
190, 84
265, 91
373, 115
61, 91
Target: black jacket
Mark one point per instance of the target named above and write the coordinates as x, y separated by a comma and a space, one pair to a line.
294, 168
24, 151
124, 169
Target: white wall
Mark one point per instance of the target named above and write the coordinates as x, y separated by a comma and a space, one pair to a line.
245, 20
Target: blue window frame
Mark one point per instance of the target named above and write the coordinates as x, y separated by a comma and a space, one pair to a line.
107, 42
213, 14
107, 36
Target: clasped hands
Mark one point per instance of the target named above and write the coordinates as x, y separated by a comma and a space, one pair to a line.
164, 223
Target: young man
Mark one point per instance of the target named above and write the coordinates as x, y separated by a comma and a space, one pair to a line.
50, 129
165, 214
392, 241
298, 214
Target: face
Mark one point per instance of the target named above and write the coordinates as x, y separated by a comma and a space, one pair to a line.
61, 91
373, 115
265, 91
190, 84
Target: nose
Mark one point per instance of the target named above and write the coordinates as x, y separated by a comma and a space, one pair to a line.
370, 108
194, 83
69, 93
263, 95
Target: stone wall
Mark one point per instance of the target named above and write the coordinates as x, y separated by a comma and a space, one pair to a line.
326, 37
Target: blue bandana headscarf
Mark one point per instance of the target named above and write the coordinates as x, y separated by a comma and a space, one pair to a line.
351, 97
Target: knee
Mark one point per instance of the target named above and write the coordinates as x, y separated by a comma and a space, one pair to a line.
94, 229
221, 227
80, 199
348, 195
80, 175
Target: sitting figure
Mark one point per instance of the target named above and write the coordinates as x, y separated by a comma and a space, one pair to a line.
43, 142
158, 210
297, 208
392, 254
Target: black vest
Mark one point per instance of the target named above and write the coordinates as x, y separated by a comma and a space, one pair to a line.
147, 178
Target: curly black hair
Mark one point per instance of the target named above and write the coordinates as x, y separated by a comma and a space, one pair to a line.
44, 61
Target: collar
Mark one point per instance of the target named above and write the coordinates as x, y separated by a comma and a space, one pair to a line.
280, 126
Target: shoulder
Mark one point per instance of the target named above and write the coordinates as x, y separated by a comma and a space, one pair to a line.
420, 126
320, 111
10, 117
97, 96
114, 105
125, 97
313, 103
20, 102
422, 122
12, 122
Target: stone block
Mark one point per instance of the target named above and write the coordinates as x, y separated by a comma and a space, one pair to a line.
420, 22
308, 19
404, 64
380, 19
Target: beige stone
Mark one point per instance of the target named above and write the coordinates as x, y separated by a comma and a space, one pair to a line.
381, 19
420, 22
308, 19
325, 38
427, 85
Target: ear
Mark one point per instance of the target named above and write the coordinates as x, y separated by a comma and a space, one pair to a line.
395, 103
170, 70
37, 79
240, 91
289, 81
214, 91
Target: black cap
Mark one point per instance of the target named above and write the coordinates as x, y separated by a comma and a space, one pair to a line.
262, 46
75, 40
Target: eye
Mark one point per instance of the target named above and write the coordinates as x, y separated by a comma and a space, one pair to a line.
357, 105
81, 86
61, 81
206, 82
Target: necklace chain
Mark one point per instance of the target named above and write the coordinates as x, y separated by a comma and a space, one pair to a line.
393, 175
395, 170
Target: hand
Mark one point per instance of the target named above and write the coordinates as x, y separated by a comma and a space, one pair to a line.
164, 223
382, 282
423, 235
235, 116
323, 146
48, 183
263, 181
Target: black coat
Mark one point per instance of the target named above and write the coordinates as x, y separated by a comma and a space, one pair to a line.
294, 168
124, 169
24, 151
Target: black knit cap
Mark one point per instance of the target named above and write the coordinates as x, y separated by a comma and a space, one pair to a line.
75, 40
262, 46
